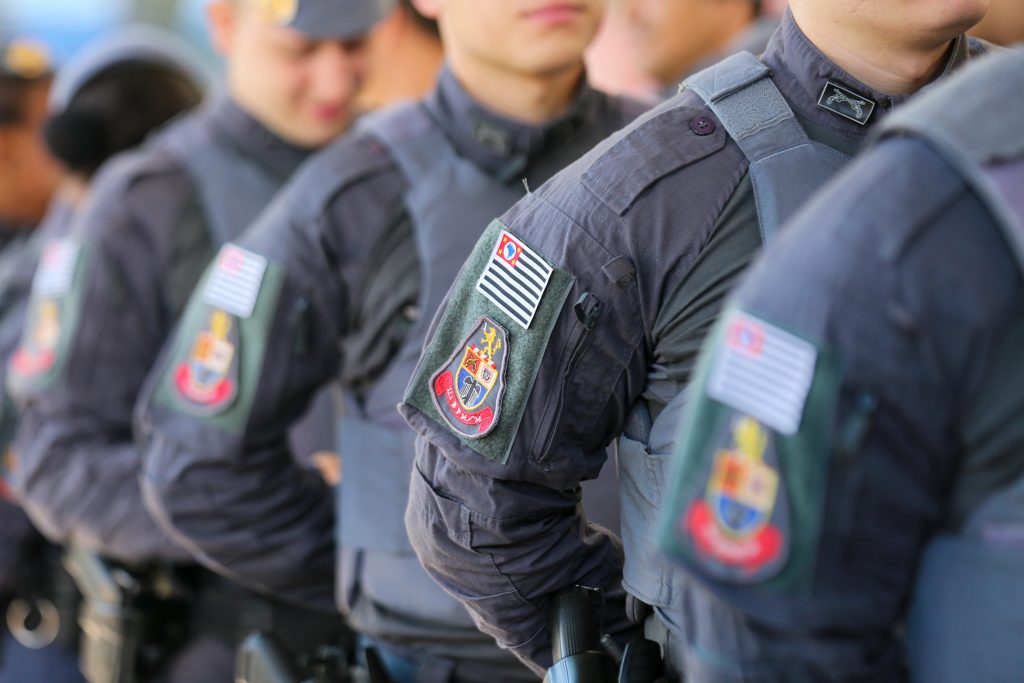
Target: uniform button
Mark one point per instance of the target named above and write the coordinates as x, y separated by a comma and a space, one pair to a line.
702, 125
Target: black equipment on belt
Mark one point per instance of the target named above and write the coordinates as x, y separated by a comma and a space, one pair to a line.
581, 657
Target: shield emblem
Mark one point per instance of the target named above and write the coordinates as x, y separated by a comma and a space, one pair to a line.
731, 525
467, 389
476, 378
207, 379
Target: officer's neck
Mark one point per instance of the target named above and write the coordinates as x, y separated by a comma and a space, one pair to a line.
529, 98
888, 66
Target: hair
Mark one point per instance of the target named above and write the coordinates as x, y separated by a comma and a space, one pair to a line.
116, 110
13, 92
425, 24
758, 7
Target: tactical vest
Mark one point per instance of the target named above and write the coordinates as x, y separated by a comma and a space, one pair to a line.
232, 189
970, 583
448, 200
786, 167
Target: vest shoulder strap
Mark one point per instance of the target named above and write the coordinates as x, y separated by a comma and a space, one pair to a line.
225, 182
742, 95
972, 121
409, 133
786, 166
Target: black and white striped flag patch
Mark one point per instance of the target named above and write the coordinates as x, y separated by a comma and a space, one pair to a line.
764, 372
56, 268
235, 282
514, 279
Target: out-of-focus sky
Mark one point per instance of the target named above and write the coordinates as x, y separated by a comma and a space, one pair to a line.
64, 25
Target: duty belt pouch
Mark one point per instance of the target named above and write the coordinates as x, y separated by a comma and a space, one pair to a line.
131, 622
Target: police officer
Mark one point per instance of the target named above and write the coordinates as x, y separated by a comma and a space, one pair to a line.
340, 278
106, 99
627, 255
105, 298
855, 434
676, 38
28, 178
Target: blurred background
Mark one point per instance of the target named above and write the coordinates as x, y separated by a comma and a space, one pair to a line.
64, 25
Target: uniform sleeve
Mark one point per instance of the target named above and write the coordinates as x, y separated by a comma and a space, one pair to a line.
568, 282
257, 340
93, 323
524, 382
821, 444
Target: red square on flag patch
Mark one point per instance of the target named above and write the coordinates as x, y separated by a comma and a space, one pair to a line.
746, 337
509, 250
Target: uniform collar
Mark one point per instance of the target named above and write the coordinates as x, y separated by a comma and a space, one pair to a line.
501, 146
806, 77
254, 140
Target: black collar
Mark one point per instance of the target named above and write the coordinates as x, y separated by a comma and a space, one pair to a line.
501, 146
254, 140
821, 92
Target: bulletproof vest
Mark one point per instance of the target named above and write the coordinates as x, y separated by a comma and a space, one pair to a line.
786, 167
971, 578
448, 200
232, 188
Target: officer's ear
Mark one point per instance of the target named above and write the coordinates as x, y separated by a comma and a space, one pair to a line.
428, 8
222, 17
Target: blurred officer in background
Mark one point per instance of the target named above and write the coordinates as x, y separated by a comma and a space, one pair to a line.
28, 178
636, 246
340, 279
855, 436
404, 55
675, 38
1003, 23
106, 296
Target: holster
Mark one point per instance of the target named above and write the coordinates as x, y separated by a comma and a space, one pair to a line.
263, 658
132, 620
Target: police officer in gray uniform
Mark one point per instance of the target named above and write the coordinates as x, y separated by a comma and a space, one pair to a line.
855, 436
617, 269
340, 278
105, 298
107, 98
29, 176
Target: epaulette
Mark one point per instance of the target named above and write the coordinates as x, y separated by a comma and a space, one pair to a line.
669, 137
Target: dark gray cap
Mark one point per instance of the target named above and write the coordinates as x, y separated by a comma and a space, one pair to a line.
330, 19
24, 59
133, 43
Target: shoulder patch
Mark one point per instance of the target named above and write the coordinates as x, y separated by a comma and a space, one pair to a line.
207, 380
764, 372
477, 371
740, 525
235, 282
747, 487
514, 279
469, 387
658, 144
216, 356
56, 268
51, 317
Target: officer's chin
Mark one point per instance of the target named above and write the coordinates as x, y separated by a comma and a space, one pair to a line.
316, 134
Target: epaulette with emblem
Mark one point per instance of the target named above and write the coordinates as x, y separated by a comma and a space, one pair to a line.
676, 134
